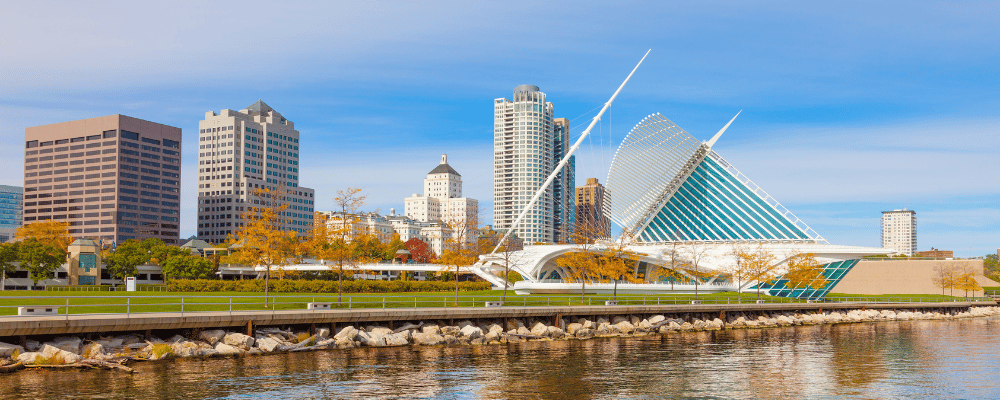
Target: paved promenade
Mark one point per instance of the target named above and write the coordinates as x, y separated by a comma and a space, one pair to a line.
100, 323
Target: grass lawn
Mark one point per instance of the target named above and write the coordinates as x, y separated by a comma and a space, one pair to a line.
136, 302
83, 302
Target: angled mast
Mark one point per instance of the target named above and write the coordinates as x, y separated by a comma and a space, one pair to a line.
562, 163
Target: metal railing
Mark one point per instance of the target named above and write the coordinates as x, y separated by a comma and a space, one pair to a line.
128, 305
105, 288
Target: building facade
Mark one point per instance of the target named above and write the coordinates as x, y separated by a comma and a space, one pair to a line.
240, 152
112, 178
11, 203
442, 200
384, 227
590, 208
899, 231
528, 143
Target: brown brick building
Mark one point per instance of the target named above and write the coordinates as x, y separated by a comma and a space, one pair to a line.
112, 178
590, 208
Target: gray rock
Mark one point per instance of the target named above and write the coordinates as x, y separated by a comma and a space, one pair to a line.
28, 357
427, 339
239, 340
111, 343
32, 345
471, 332
226, 350
395, 339
213, 336
378, 330
67, 343
573, 328
431, 330
348, 333
7, 349
92, 350
656, 318
555, 332
50, 352
268, 344
539, 329
323, 333
370, 339
185, 349
451, 330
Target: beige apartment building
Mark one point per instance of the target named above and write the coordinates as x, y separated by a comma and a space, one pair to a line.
238, 152
112, 178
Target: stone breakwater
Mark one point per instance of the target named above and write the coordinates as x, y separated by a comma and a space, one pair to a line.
115, 351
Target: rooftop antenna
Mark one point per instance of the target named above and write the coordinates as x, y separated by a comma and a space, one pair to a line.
565, 159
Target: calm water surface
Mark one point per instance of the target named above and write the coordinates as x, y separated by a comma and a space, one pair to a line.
926, 359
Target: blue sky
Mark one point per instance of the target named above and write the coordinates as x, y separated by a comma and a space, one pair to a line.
850, 108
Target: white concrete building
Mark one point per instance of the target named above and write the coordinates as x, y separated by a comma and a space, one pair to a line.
442, 201
239, 151
528, 143
435, 234
899, 231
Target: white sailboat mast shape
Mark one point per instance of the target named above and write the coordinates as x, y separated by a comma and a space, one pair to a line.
569, 154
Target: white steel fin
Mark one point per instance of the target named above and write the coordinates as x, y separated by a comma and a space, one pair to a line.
715, 138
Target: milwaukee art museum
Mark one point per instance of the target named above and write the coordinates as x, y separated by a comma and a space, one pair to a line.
682, 205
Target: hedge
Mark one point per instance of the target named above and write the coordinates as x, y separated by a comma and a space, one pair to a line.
318, 286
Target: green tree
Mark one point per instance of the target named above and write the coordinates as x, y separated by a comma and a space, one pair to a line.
40, 259
991, 264
8, 256
187, 266
393, 246
125, 259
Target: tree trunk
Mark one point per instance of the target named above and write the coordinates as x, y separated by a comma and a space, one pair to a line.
583, 290
340, 285
267, 285
505, 276
615, 295
456, 286
739, 291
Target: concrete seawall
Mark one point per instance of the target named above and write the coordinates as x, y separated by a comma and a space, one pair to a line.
82, 324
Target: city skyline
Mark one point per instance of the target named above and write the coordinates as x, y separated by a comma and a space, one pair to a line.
873, 114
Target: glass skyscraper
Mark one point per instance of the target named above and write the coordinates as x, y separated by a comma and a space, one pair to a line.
11, 201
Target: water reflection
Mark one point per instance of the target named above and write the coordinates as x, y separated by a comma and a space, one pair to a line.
936, 359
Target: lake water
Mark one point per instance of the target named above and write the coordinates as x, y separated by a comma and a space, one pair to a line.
920, 359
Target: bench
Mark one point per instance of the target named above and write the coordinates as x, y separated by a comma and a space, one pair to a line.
38, 310
611, 303
761, 301
318, 306
494, 304
695, 301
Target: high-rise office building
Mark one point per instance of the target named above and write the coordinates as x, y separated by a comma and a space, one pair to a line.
528, 143
590, 209
112, 178
899, 231
238, 152
11, 203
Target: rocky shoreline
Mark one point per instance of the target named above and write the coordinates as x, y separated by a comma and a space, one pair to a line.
115, 352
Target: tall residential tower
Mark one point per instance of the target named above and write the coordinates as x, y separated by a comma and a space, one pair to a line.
238, 152
899, 231
112, 178
528, 143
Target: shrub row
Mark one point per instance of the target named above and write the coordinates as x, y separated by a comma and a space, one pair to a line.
316, 286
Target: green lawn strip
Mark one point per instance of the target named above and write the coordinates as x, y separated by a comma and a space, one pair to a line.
139, 302
895, 297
